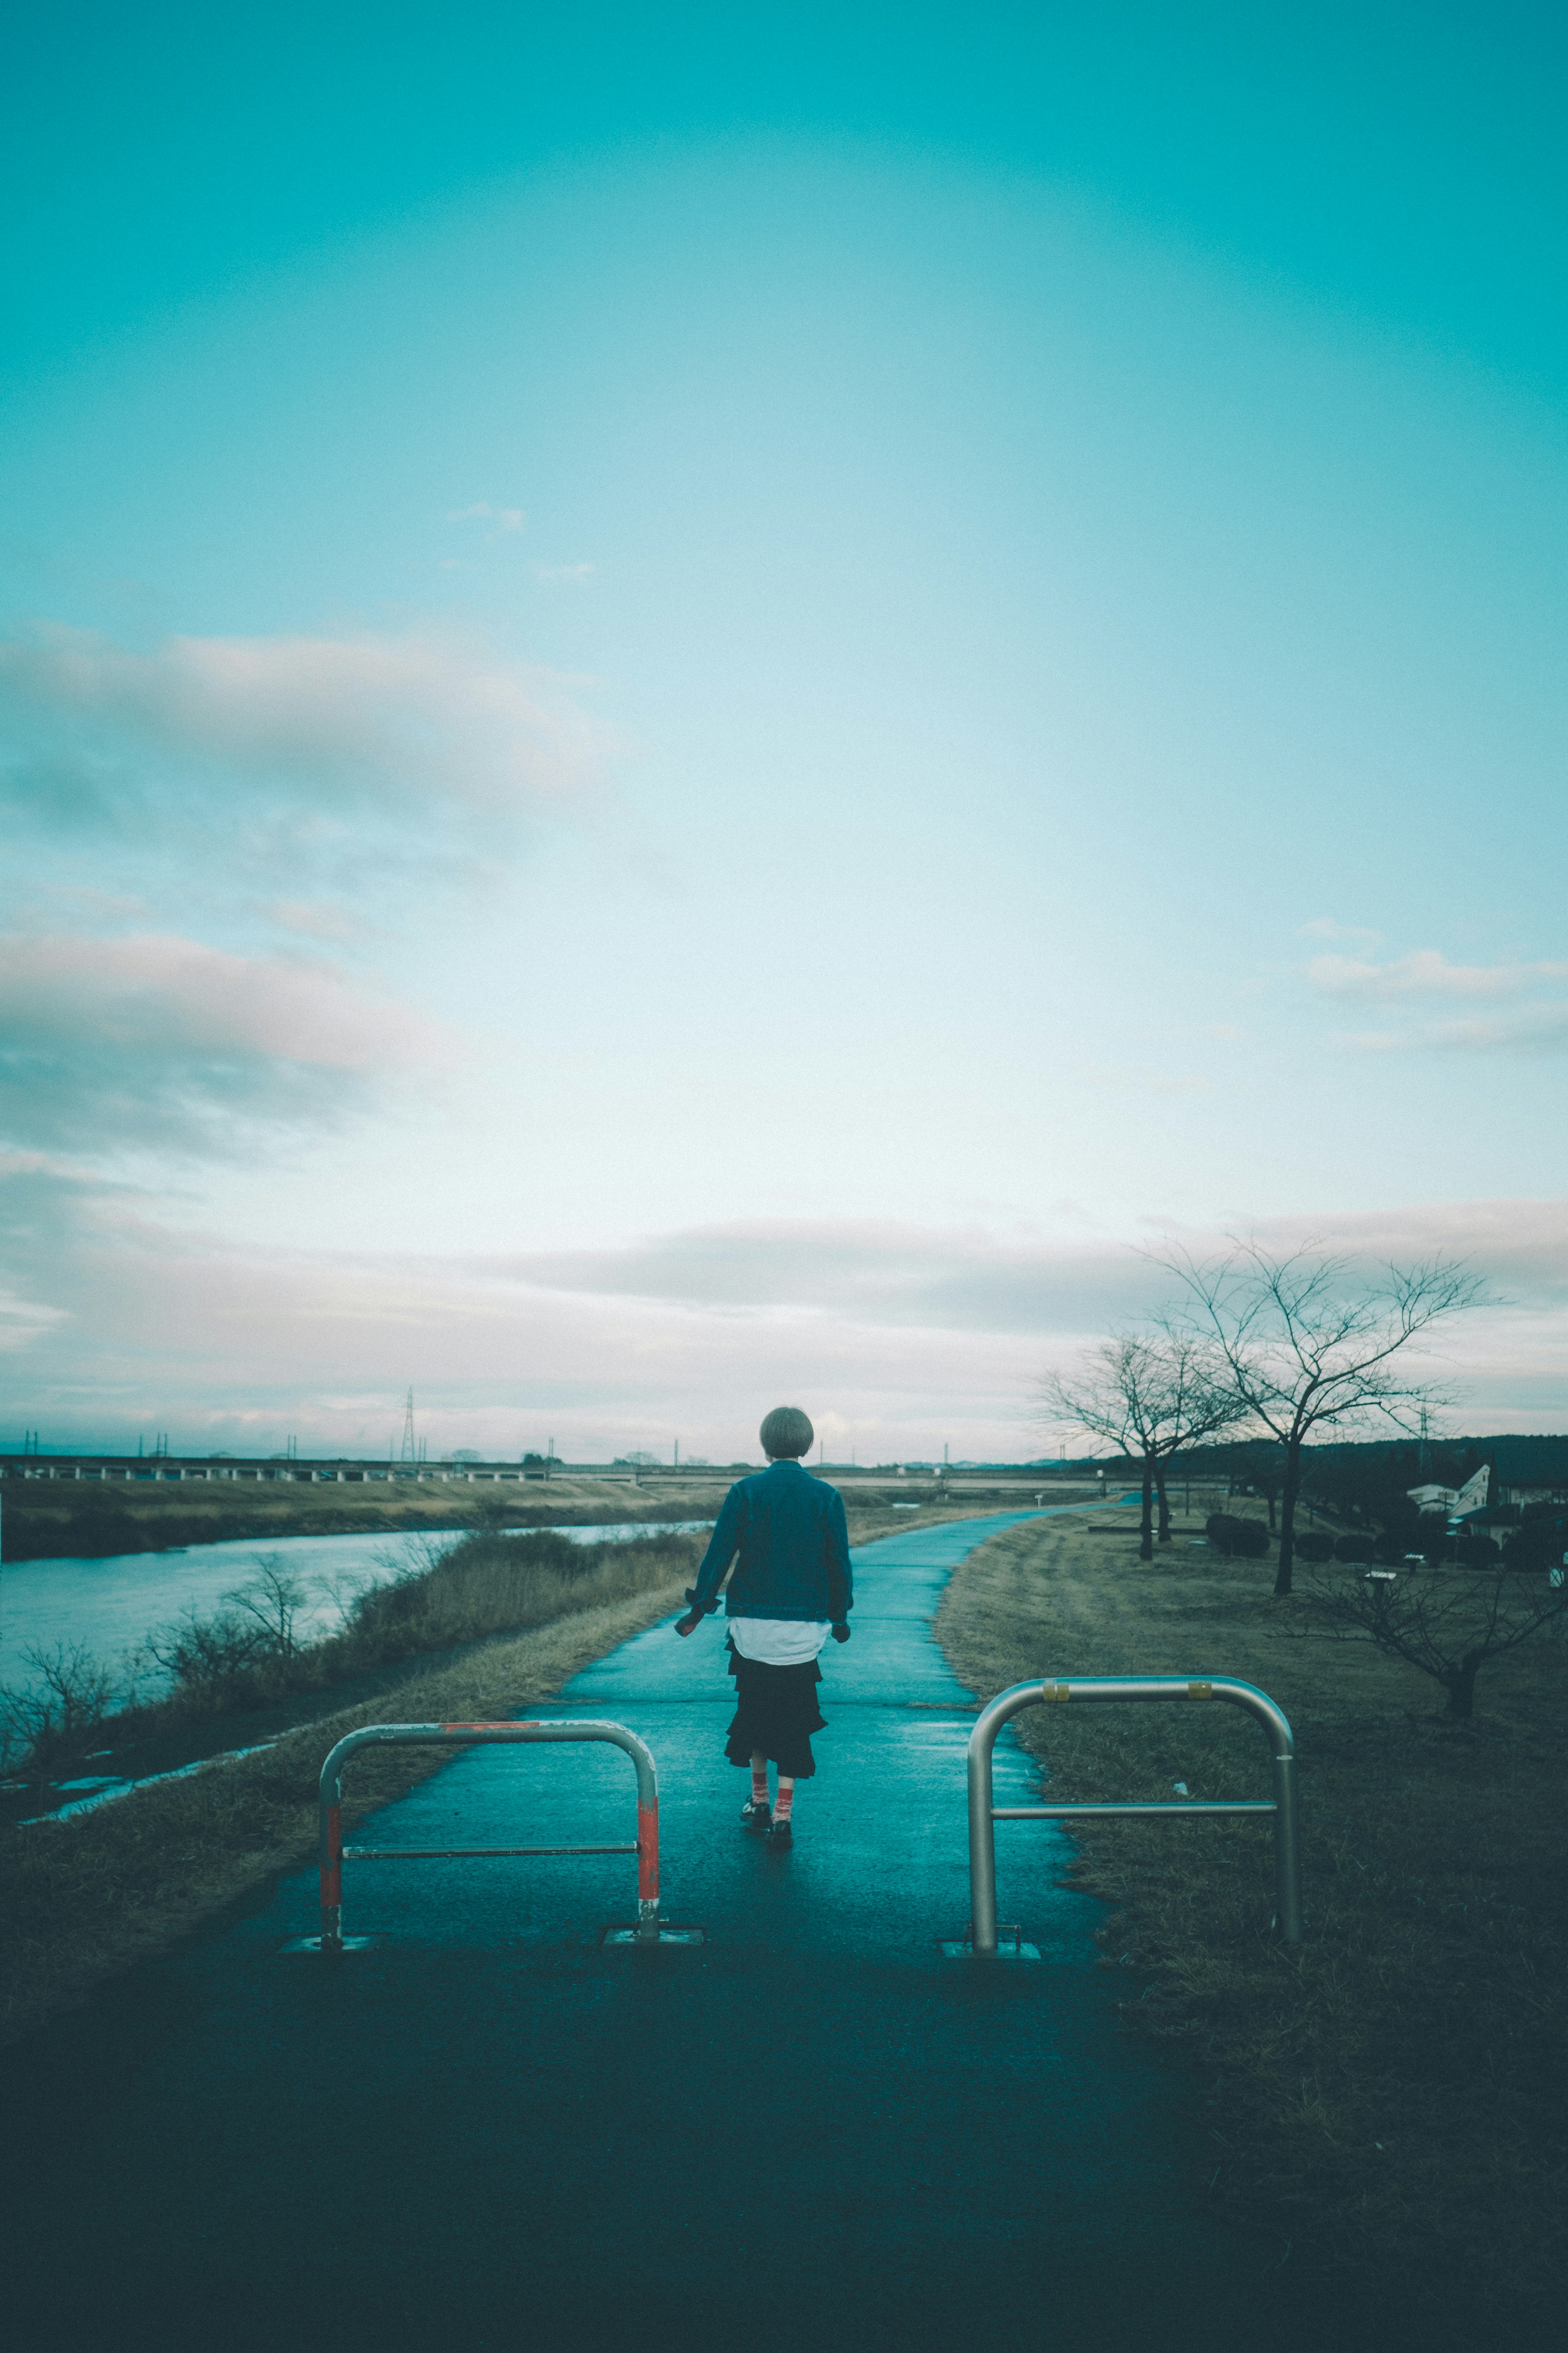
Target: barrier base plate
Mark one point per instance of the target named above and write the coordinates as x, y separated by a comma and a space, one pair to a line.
666, 1936
1014, 1952
313, 1944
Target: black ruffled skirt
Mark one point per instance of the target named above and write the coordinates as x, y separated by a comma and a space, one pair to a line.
776, 1715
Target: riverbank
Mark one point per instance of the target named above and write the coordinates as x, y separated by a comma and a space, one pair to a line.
63, 1519
85, 1898
1387, 2097
67, 1519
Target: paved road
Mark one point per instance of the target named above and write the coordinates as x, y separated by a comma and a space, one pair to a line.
811, 2133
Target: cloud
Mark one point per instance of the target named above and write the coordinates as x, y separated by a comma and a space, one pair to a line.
313, 919
862, 1272
504, 518
160, 1041
310, 735
1540, 1030
1324, 927
23, 1320
578, 571
1427, 973
910, 1334
873, 1271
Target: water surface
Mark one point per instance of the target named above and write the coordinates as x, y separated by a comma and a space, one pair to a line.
110, 1605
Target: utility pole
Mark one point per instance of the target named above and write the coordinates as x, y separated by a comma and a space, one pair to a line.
410, 1452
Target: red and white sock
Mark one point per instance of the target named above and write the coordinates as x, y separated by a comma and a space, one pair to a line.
784, 1804
759, 1781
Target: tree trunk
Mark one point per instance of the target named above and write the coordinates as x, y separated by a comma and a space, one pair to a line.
1164, 1501
1460, 1684
1146, 1530
1287, 1492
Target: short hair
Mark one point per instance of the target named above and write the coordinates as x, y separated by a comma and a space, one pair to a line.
786, 1433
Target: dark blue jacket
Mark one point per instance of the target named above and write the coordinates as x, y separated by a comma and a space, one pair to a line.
790, 1532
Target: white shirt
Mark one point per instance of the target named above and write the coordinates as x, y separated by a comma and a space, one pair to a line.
778, 1642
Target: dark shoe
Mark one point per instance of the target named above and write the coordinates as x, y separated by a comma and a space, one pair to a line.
756, 1814
779, 1835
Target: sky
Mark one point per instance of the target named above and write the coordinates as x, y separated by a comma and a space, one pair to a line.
695, 711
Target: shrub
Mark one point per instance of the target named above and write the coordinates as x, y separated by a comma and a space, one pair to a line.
1314, 1547
1358, 1545
1246, 1538
1538, 1544
57, 1726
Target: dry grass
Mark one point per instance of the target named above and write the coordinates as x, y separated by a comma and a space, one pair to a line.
84, 1899
55, 1518
1388, 2096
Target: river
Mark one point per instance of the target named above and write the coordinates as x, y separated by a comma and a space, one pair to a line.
109, 1607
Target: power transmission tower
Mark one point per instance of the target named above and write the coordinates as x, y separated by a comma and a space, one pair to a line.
410, 1452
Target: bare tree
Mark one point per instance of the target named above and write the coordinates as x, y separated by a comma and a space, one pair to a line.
1149, 1394
1446, 1623
56, 1721
274, 1599
1304, 1345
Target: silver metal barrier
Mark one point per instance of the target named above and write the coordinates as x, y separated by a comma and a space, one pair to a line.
334, 1854
983, 1815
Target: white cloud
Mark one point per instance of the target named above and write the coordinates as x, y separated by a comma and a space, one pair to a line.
906, 1335
312, 919
577, 572
1540, 1027
1324, 927
159, 1042
1536, 1029
1427, 973
504, 518
365, 724
23, 1320
159, 994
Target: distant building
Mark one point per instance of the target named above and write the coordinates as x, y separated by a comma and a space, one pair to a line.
1455, 1501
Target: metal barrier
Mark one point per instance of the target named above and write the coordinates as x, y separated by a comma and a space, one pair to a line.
334, 1854
983, 1815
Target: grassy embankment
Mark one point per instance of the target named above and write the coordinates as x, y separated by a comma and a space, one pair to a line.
496, 1625
1388, 2097
85, 1898
58, 1519
54, 1519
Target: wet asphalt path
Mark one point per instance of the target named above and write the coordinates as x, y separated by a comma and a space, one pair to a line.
812, 2132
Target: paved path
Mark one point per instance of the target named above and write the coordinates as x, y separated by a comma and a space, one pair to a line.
812, 2133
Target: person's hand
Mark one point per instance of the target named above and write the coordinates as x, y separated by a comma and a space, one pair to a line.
841, 1633
690, 1623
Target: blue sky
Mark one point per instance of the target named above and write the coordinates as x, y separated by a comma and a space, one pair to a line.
691, 713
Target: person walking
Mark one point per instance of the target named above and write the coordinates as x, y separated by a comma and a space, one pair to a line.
792, 1588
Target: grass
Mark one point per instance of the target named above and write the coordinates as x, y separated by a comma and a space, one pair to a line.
52, 1519
1388, 2098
